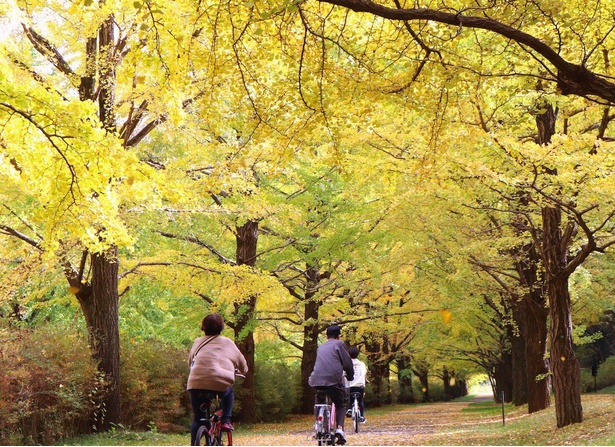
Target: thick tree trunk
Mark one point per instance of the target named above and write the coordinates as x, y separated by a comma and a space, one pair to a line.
247, 240
459, 388
100, 303
404, 378
519, 363
564, 364
100, 300
503, 377
446, 383
531, 315
377, 354
379, 372
308, 359
423, 377
539, 396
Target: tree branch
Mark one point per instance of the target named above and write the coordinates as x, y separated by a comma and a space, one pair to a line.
572, 79
223, 259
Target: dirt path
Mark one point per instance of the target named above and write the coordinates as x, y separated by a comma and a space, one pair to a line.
414, 425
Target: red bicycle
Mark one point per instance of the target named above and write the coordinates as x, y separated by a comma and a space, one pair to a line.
210, 432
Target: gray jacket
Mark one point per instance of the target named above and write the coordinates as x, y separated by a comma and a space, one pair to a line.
332, 360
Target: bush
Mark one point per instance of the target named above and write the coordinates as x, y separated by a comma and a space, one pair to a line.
153, 386
605, 377
277, 390
48, 385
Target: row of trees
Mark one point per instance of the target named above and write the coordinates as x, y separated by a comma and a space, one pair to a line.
297, 164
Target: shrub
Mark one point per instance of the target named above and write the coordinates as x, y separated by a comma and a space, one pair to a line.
153, 386
48, 385
605, 377
277, 389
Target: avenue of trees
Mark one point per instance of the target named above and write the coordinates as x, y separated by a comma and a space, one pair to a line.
439, 178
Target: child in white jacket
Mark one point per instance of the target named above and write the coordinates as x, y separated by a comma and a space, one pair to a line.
357, 384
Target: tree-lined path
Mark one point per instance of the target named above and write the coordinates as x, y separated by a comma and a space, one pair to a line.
455, 423
436, 178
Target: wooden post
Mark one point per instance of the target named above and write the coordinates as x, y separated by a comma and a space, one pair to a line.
503, 414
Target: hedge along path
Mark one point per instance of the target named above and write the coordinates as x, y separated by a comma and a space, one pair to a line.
451, 423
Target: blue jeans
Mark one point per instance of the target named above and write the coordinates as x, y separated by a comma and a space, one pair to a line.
198, 397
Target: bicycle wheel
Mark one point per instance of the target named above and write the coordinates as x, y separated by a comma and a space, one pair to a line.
202, 436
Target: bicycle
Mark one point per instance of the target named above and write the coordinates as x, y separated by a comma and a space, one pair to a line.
325, 425
355, 412
210, 432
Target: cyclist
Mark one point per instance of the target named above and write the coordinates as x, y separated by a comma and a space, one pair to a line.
357, 385
213, 361
332, 360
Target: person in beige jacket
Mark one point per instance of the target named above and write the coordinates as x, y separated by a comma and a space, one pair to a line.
213, 361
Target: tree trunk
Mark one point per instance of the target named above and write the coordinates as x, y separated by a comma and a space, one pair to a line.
564, 364
308, 359
99, 300
100, 303
503, 377
531, 314
539, 396
377, 354
404, 378
460, 388
379, 372
247, 240
422, 375
446, 383
519, 362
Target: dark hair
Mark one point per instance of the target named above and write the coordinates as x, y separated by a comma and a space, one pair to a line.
212, 324
333, 331
354, 352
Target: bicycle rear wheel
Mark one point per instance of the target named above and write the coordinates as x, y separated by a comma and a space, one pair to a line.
202, 436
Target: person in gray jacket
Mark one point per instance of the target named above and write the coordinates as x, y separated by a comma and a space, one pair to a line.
332, 360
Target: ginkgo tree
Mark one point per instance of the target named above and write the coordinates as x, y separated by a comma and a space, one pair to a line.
83, 84
111, 109
569, 60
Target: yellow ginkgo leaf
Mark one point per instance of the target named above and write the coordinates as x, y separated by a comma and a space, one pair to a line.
74, 290
446, 315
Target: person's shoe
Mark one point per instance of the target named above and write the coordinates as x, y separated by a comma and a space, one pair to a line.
349, 413
226, 425
362, 420
340, 438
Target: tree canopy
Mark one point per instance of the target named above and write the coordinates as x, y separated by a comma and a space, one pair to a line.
421, 174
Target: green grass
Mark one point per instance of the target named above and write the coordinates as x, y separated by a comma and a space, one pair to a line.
128, 437
607, 390
488, 408
479, 423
